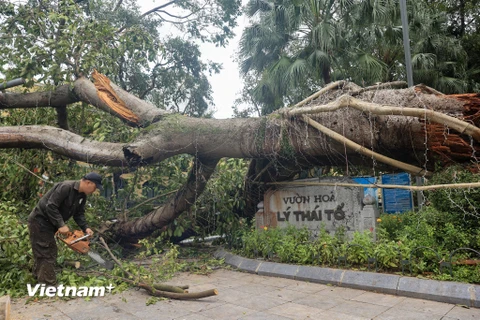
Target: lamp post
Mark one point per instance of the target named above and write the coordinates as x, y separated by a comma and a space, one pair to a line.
406, 41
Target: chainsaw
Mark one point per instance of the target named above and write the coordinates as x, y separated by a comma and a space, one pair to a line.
79, 242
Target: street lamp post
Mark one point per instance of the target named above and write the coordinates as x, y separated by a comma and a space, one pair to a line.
406, 41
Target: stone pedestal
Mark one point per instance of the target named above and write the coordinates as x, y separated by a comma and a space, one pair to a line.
318, 206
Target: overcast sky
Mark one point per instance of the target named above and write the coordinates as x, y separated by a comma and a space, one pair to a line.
227, 83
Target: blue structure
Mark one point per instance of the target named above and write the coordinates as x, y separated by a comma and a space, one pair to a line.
368, 191
397, 200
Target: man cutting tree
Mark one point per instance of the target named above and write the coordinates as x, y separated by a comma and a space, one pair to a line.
64, 200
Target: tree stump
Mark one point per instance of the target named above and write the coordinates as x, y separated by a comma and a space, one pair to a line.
5, 308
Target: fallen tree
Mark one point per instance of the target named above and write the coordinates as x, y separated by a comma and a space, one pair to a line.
343, 123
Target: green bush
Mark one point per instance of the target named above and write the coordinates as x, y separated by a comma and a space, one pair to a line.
15, 252
420, 239
458, 206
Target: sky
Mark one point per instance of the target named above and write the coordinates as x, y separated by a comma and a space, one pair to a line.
227, 83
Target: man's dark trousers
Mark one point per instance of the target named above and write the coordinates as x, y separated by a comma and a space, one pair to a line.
44, 247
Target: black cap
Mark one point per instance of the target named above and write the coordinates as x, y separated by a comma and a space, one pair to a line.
96, 178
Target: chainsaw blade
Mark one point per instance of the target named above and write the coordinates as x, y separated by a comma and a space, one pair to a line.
95, 256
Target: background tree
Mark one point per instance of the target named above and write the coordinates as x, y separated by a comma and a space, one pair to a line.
53, 42
463, 21
293, 48
154, 55
280, 145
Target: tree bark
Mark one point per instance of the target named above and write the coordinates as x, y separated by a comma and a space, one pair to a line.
131, 230
394, 125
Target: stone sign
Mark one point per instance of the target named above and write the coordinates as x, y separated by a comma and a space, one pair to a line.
314, 206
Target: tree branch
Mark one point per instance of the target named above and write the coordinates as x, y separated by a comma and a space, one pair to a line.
185, 197
63, 143
158, 8
377, 109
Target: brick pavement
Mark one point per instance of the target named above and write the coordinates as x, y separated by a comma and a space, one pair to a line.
246, 296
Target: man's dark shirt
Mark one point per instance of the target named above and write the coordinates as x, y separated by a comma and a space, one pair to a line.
60, 203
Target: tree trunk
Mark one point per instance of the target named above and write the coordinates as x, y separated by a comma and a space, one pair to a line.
130, 231
280, 144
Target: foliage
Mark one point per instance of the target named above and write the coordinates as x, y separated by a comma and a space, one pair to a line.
463, 22
15, 252
293, 48
459, 206
16, 261
411, 242
218, 208
55, 42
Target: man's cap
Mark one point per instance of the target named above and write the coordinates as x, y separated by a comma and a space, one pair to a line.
96, 178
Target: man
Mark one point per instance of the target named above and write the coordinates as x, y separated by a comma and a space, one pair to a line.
65, 200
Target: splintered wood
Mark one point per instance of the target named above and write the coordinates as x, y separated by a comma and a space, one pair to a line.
111, 99
450, 146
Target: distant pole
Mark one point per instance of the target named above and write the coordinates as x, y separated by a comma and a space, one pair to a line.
406, 42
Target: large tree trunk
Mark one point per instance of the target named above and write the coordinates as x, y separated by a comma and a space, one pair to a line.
282, 140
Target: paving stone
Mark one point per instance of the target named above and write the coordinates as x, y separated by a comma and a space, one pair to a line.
360, 309
240, 294
323, 302
334, 315
307, 287
279, 282
458, 312
378, 282
256, 288
190, 279
319, 275
193, 316
433, 307
232, 295
344, 293
259, 303
231, 274
295, 311
444, 291
287, 294
401, 314
127, 297
380, 299
251, 278
46, 313
264, 316
160, 311
197, 305
98, 311
227, 312
223, 284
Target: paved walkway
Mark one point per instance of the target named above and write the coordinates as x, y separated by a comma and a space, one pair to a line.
246, 296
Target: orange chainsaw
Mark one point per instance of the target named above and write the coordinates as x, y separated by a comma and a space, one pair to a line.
79, 242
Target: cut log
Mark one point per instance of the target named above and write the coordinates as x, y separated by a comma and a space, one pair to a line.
72, 263
5, 308
169, 288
